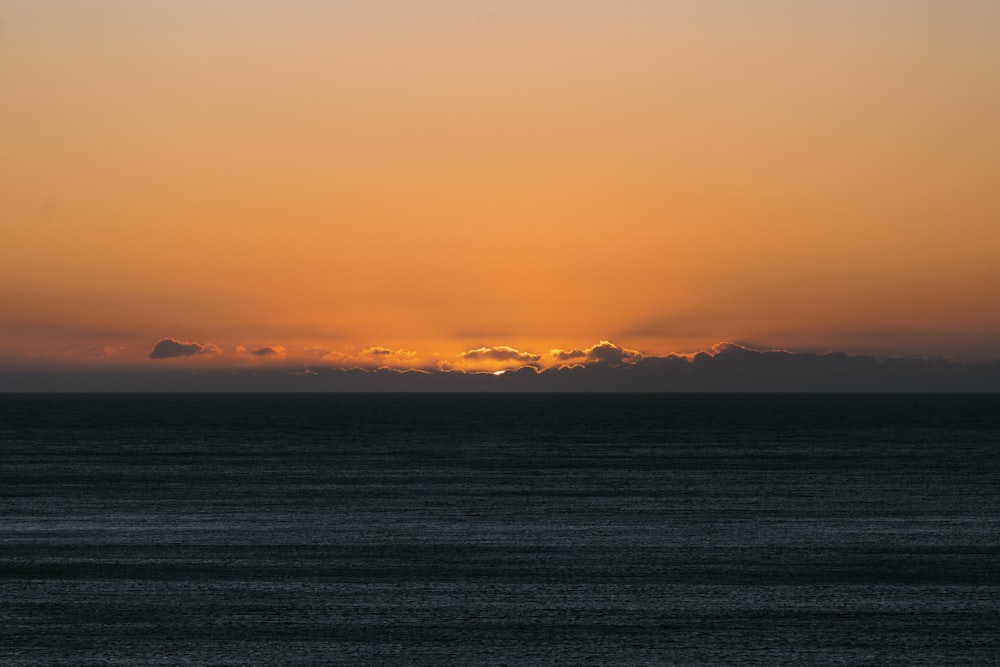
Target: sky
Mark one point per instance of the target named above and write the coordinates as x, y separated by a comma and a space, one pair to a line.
478, 185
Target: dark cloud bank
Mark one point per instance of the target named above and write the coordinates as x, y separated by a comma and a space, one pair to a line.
729, 368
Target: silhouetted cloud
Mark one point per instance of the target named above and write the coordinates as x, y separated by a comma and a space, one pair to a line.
171, 348
568, 355
604, 352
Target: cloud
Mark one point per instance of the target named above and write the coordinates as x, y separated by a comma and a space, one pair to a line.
604, 352
489, 359
384, 357
499, 353
728, 347
171, 348
265, 352
387, 354
568, 355
375, 356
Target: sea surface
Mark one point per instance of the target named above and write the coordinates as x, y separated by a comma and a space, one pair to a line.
524, 529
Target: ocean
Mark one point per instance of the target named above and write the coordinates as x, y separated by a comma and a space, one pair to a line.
499, 529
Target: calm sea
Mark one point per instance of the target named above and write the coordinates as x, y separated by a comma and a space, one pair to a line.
499, 529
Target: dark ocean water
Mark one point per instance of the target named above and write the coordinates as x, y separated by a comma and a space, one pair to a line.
499, 529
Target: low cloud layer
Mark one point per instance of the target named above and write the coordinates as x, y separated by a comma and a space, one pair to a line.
171, 348
605, 367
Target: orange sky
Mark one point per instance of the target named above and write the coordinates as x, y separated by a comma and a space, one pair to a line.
434, 177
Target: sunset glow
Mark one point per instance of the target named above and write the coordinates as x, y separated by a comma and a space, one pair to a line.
484, 186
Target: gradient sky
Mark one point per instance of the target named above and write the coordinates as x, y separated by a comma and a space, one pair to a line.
431, 177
